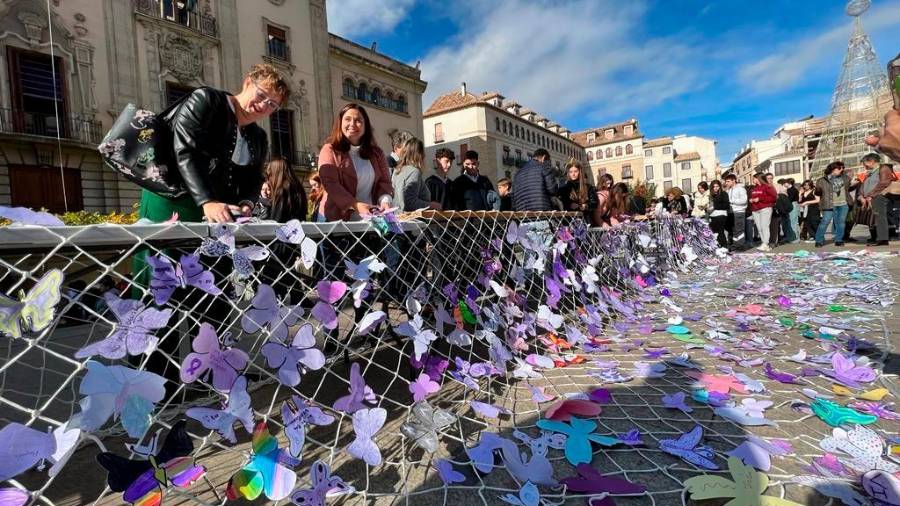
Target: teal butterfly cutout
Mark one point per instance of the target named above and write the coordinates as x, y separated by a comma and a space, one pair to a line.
580, 434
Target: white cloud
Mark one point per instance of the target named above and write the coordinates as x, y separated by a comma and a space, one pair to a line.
795, 60
355, 18
558, 58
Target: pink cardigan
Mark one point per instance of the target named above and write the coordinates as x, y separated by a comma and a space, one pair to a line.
339, 179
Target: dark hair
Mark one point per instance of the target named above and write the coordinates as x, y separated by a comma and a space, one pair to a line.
288, 195
767, 175
541, 153
702, 185
606, 182
444, 153
782, 181
731, 177
871, 157
833, 165
618, 199
715, 182
791, 181
504, 182
471, 155
337, 140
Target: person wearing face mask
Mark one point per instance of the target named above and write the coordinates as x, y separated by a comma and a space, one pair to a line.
219, 149
469, 191
353, 168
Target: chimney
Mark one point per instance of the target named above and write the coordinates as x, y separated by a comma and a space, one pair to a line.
374, 46
462, 89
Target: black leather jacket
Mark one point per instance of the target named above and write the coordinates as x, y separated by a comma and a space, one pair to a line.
203, 138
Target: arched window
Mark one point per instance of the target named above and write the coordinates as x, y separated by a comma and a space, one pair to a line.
504, 126
618, 150
497, 123
375, 96
608, 152
517, 131
590, 155
599, 154
349, 88
389, 100
401, 103
362, 92
628, 149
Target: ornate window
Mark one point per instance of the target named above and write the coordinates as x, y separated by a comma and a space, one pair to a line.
401, 103
375, 96
618, 150
609, 152
362, 92
349, 88
590, 155
599, 154
628, 149
282, 123
276, 43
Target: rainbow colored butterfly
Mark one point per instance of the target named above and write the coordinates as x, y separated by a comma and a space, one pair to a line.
269, 470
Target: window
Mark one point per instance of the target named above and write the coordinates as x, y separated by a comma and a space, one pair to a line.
591, 137
401, 103
41, 187
628, 149
174, 92
785, 168
462, 152
282, 122
667, 169
667, 185
518, 154
590, 155
686, 185
618, 150
516, 131
438, 132
349, 88
375, 96
609, 133
497, 124
362, 92
648, 152
685, 165
37, 93
667, 150
608, 152
276, 45
648, 172
504, 126
626, 172
629, 129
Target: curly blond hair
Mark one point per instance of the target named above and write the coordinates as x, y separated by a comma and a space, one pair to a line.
265, 73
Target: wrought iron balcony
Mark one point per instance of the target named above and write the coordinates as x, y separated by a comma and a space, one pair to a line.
176, 11
68, 126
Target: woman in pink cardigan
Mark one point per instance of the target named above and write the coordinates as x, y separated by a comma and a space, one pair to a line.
353, 169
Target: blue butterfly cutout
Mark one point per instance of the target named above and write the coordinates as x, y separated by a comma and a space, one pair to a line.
687, 448
580, 434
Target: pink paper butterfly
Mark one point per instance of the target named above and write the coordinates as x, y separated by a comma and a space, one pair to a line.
208, 356
329, 293
423, 387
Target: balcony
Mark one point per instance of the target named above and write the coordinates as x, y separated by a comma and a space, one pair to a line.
176, 12
73, 126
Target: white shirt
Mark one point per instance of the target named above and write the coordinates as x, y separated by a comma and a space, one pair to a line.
365, 176
241, 153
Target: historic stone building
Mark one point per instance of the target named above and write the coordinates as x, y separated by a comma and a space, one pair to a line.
108, 53
615, 149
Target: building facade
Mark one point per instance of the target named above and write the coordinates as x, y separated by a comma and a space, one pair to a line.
615, 149
659, 164
504, 133
789, 153
58, 100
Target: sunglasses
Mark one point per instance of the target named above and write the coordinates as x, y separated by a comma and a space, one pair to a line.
262, 97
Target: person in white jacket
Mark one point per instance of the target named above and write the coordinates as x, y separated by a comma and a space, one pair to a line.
737, 196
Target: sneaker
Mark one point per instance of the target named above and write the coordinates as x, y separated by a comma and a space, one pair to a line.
880, 243
840, 243
820, 244
764, 247
809, 241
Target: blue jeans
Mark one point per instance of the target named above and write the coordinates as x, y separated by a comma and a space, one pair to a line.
839, 215
787, 228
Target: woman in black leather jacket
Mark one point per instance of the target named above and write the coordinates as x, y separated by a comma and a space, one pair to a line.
219, 149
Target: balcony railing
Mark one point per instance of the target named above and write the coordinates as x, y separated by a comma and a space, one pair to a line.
177, 12
68, 126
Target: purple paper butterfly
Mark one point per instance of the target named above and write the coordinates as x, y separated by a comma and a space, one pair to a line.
166, 277
422, 387
687, 447
434, 366
676, 401
297, 415
631, 438
486, 410
323, 485
781, 377
360, 397
329, 293
881, 410
22, 448
13, 496
294, 360
266, 312
209, 357
133, 333
367, 423
448, 474
847, 372
237, 409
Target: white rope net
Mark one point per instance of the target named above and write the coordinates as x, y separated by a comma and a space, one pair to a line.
484, 275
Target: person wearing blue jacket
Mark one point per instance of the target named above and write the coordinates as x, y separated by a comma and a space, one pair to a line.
535, 184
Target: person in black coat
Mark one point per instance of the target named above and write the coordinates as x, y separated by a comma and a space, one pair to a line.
469, 191
720, 207
577, 194
439, 183
535, 184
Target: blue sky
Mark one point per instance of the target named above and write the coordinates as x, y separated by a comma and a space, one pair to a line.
727, 70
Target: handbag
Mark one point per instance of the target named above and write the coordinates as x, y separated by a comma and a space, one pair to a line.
139, 146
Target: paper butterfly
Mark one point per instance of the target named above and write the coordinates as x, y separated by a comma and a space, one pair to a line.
676, 401
22, 448
537, 469
847, 372
364, 269
324, 484
237, 409
538, 394
26, 216
563, 410
117, 391
420, 337
749, 412
424, 425
540, 445
719, 383
433, 365
423, 387
580, 434
547, 319
448, 474
367, 423
369, 322
757, 452
482, 454
143, 481
267, 312
329, 292
297, 415
468, 373
861, 449
13, 496
528, 496
292, 233
360, 397
269, 470
687, 448
590, 481
133, 334
746, 489
32, 312
242, 258
837, 489
295, 360
211, 359
188, 272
